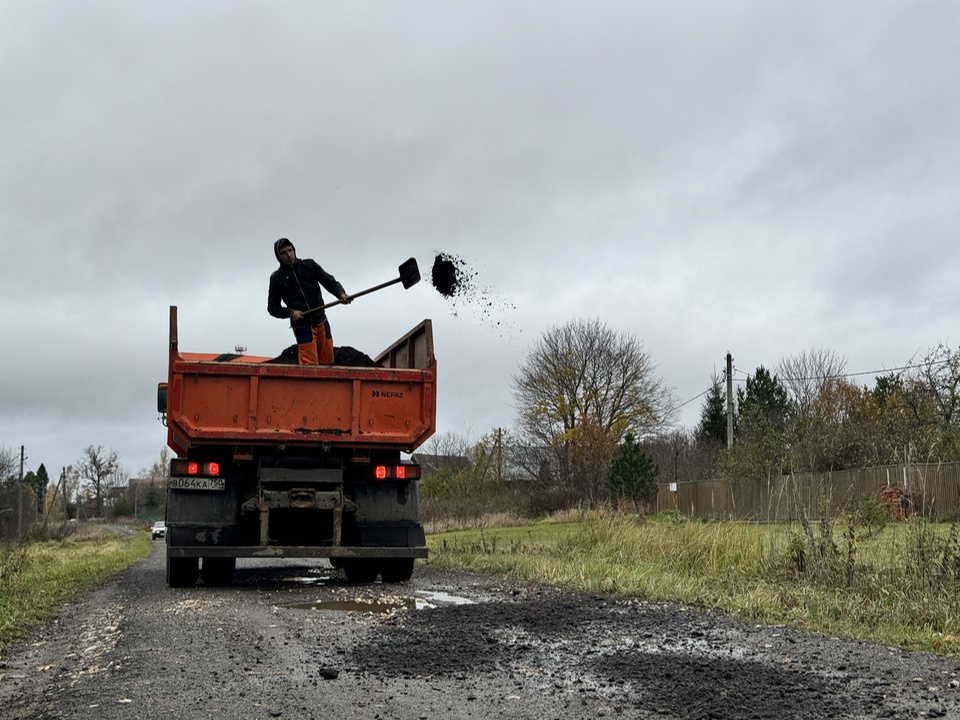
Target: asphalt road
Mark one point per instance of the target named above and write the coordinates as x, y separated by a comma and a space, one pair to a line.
295, 640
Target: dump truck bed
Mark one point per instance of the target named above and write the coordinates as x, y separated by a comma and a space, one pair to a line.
246, 401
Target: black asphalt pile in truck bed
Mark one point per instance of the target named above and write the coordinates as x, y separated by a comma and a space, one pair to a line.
346, 355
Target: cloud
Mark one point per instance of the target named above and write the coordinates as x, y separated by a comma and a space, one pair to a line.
761, 179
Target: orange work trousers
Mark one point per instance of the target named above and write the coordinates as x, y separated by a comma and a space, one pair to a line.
314, 345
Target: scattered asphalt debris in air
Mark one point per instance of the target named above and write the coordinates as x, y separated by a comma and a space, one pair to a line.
449, 275
456, 282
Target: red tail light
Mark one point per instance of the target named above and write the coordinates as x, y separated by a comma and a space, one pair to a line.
396, 472
181, 467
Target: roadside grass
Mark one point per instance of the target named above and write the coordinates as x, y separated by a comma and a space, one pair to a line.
898, 585
37, 578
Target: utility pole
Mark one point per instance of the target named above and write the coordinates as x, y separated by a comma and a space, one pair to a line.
499, 455
66, 500
729, 401
20, 487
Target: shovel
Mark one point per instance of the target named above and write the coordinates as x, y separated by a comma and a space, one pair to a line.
409, 275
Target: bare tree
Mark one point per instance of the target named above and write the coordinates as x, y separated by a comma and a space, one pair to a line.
8, 462
808, 373
585, 369
820, 401
939, 373
585, 374
71, 488
99, 468
160, 469
147, 492
9, 493
834, 431
932, 392
533, 464
446, 449
684, 455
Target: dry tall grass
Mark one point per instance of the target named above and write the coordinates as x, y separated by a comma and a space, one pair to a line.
899, 584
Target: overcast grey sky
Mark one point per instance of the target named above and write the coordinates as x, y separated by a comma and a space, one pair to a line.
763, 178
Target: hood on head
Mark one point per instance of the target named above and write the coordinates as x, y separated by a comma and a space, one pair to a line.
280, 245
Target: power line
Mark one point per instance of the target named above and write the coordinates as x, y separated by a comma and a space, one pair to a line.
687, 402
855, 374
748, 376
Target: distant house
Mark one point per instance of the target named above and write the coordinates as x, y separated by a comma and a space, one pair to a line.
139, 484
432, 464
145, 494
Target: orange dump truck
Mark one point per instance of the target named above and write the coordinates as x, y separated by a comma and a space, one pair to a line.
281, 460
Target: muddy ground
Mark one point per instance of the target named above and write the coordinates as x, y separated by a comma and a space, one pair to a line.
292, 639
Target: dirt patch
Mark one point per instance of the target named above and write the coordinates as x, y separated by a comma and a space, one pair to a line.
648, 659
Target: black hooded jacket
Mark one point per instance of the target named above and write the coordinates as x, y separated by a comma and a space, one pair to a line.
297, 287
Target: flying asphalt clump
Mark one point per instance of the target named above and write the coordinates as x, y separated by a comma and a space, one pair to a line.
449, 275
455, 281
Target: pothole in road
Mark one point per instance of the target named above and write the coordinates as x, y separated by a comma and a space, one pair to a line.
437, 598
364, 606
382, 606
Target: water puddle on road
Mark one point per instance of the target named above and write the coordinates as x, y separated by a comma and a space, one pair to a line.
306, 580
376, 607
437, 599
382, 606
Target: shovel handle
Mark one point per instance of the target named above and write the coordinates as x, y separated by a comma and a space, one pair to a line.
409, 276
355, 295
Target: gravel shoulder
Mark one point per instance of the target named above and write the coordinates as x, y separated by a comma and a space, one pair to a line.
296, 640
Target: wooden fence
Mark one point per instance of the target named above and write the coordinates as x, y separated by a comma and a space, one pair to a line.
931, 489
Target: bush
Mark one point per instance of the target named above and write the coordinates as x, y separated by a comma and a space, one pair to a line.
871, 513
670, 516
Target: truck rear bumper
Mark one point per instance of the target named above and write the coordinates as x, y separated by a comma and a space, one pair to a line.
279, 551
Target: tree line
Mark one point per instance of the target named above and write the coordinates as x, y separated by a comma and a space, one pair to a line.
95, 486
596, 422
808, 415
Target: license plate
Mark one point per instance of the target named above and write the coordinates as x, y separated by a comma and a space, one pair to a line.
197, 483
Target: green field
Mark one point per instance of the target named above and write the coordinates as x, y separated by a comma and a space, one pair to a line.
897, 585
36, 579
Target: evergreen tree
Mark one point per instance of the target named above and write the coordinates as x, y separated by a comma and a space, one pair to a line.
765, 395
633, 473
713, 414
760, 448
41, 481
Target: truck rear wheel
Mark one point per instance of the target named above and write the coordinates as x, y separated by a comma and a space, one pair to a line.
218, 571
360, 571
396, 570
182, 572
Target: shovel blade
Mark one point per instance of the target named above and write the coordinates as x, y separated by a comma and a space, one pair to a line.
409, 273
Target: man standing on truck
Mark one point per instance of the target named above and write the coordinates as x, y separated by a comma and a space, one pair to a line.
294, 292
